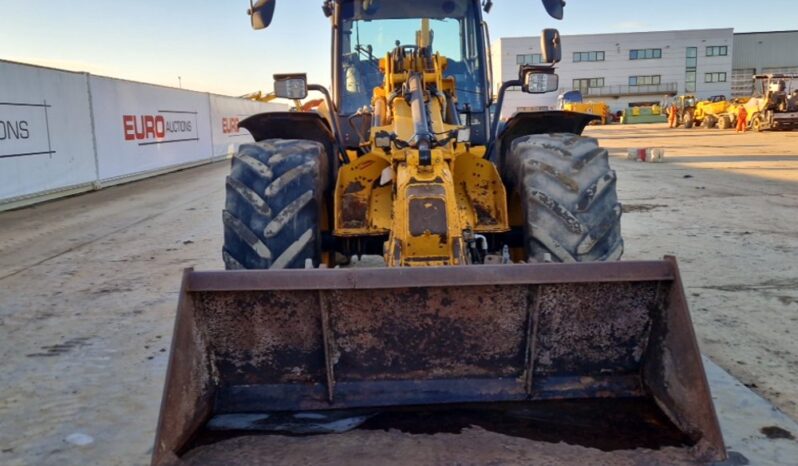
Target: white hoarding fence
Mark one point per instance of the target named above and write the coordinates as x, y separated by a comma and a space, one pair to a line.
24, 129
63, 132
45, 131
143, 128
226, 113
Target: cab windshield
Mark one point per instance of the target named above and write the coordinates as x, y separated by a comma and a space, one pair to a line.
370, 29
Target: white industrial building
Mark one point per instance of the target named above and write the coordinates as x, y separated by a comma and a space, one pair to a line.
624, 69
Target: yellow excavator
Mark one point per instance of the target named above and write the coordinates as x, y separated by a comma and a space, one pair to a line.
500, 285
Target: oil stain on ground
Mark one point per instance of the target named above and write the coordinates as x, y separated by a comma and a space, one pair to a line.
61, 348
629, 208
776, 432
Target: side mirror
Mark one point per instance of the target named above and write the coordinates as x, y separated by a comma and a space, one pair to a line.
550, 46
554, 8
539, 80
261, 13
291, 86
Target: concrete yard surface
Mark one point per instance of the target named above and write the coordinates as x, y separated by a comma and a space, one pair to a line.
726, 205
88, 291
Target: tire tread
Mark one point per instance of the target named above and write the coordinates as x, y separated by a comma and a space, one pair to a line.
273, 203
568, 192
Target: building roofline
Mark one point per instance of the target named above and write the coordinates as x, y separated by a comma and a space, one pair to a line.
103, 76
766, 32
629, 33
42, 67
746, 33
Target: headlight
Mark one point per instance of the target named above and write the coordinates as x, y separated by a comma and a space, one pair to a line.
291, 86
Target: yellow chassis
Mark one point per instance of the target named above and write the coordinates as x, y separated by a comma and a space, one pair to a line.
430, 212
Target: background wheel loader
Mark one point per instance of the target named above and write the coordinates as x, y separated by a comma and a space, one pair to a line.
685, 110
501, 291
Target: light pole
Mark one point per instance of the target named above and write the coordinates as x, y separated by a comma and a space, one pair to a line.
180, 82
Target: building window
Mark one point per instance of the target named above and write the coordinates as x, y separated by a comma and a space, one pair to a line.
689, 81
645, 54
690, 69
645, 80
692, 57
529, 59
717, 51
588, 83
715, 77
588, 56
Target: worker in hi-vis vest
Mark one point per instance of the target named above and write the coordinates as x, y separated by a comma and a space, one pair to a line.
742, 116
672, 116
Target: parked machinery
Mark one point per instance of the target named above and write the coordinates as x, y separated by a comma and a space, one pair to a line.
574, 102
643, 114
775, 102
708, 112
728, 119
717, 111
685, 109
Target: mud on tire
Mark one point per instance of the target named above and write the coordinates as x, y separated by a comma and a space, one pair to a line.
273, 204
568, 196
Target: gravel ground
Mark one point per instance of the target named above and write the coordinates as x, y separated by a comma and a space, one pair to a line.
88, 285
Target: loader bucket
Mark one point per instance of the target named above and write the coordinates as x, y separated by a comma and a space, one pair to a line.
251, 343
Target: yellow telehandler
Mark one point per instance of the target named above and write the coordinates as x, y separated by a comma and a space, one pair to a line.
501, 288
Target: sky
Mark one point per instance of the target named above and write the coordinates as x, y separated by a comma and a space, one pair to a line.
210, 46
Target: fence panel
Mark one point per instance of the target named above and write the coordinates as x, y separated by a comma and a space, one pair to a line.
45, 131
143, 128
226, 112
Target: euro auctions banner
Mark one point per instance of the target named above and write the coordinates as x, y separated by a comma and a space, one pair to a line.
143, 127
45, 131
226, 113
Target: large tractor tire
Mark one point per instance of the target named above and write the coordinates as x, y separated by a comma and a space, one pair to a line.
725, 122
710, 121
273, 205
758, 123
688, 120
568, 195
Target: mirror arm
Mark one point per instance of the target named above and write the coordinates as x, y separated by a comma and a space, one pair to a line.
489, 63
494, 129
333, 119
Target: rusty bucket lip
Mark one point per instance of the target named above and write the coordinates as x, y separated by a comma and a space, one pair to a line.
181, 415
416, 277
